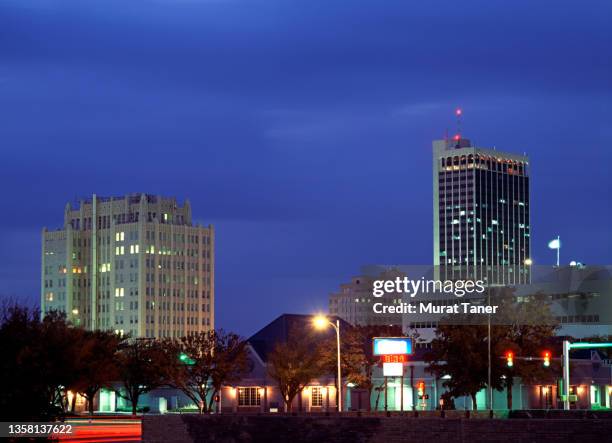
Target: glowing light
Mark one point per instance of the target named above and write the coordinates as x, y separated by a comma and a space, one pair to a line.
510, 358
457, 137
262, 391
320, 322
324, 391
528, 262
392, 345
458, 111
546, 358
421, 388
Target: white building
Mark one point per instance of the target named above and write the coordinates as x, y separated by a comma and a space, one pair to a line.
133, 264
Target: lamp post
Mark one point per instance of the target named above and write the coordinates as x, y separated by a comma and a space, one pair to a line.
322, 322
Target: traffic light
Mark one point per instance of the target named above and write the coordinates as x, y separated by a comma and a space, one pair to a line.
510, 358
421, 388
546, 359
184, 358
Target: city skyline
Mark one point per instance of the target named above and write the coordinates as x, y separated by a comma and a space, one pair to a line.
309, 154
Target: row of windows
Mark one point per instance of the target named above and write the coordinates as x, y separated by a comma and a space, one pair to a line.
165, 305
163, 292
578, 319
178, 237
165, 320
169, 333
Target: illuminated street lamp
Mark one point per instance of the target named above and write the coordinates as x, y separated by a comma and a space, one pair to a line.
321, 322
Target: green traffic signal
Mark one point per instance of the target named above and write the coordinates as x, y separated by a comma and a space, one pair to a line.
186, 359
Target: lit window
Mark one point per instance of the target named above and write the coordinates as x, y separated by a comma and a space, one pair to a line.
249, 397
316, 396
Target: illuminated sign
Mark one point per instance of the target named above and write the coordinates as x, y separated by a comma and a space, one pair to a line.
393, 369
401, 358
392, 345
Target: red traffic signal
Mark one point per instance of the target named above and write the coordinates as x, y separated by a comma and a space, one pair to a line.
510, 358
421, 388
546, 358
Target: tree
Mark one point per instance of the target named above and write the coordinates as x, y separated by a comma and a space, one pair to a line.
231, 362
351, 357
96, 366
142, 365
294, 363
209, 360
358, 360
527, 330
37, 364
460, 351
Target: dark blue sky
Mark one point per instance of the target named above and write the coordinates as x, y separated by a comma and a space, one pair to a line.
301, 129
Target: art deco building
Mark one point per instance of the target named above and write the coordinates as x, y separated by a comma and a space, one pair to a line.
481, 213
133, 264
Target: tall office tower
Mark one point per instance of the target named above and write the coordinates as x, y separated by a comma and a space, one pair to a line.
133, 264
481, 213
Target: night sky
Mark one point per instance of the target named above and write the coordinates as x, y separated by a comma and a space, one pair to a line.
301, 129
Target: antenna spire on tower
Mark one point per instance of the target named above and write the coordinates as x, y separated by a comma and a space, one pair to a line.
458, 114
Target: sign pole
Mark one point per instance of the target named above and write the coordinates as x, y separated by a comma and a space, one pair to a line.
566, 377
402, 390
339, 393
386, 393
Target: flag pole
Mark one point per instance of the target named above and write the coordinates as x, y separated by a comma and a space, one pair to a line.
558, 248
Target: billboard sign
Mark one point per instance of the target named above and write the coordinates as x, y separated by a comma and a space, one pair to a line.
392, 345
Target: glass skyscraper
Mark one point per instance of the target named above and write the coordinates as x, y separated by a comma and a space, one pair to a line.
481, 213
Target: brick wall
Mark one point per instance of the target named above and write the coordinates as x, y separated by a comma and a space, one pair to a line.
367, 429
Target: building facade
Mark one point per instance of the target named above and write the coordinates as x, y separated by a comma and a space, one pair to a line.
133, 264
354, 302
481, 213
